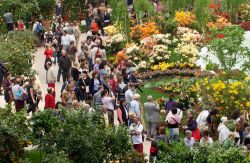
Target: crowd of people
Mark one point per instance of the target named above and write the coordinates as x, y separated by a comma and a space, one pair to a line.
92, 83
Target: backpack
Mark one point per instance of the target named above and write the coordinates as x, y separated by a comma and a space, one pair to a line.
98, 54
39, 28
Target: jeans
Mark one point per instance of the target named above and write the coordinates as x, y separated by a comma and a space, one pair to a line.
88, 23
174, 134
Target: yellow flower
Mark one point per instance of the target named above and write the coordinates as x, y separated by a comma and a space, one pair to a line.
247, 104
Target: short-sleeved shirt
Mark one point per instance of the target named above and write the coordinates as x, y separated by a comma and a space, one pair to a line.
15, 89
136, 139
8, 18
108, 102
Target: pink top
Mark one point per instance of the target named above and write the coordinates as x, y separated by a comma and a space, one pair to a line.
174, 119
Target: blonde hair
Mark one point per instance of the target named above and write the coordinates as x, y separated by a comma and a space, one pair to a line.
136, 96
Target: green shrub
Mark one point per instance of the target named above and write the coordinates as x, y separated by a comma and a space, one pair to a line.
18, 51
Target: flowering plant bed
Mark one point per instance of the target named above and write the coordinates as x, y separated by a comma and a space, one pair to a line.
174, 72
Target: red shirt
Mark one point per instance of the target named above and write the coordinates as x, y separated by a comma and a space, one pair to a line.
48, 53
94, 27
49, 102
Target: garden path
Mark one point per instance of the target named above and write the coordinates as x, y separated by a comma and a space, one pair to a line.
41, 78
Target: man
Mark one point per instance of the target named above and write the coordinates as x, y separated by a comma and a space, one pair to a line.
136, 130
9, 21
65, 65
152, 110
65, 40
97, 100
38, 30
18, 94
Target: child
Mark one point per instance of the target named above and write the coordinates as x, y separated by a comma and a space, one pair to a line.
189, 140
49, 99
206, 140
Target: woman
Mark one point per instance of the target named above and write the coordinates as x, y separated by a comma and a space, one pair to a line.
102, 70
135, 105
109, 102
123, 112
68, 96
75, 71
84, 82
121, 88
50, 99
223, 130
7, 88
95, 83
77, 32
192, 126
32, 96
48, 55
173, 124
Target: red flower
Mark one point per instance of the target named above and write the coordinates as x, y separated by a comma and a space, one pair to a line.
245, 25
219, 35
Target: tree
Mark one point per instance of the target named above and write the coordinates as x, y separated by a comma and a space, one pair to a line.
20, 9
17, 52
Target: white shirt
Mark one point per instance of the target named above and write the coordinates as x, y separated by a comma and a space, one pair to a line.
224, 132
128, 95
72, 38
202, 118
206, 142
65, 40
189, 143
108, 102
136, 139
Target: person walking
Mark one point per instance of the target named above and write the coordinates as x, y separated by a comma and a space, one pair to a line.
152, 111
65, 40
65, 65
38, 30
18, 94
48, 55
51, 76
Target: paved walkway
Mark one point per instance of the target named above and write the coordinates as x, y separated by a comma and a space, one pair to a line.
41, 78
